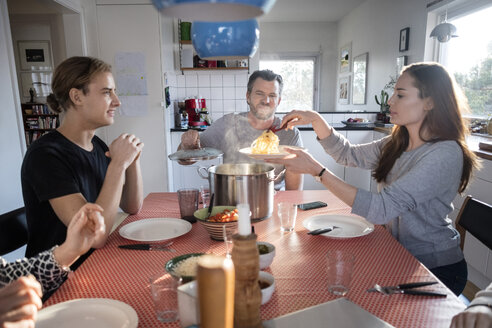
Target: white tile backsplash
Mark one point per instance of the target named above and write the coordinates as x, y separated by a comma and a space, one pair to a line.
241, 80
216, 81
228, 80
229, 93
191, 92
229, 106
204, 93
216, 93
203, 81
181, 93
191, 81
217, 105
240, 93
181, 82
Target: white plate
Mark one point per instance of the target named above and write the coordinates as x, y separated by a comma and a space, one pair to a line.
88, 312
281, 154
155, 229
349, 226
358, 124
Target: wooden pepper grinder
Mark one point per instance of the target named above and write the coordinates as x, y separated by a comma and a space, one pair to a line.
215, 278
247, 295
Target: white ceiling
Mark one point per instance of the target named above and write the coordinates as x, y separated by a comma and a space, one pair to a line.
310, 10
282, 11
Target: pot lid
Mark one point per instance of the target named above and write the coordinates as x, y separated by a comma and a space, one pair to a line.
196, 154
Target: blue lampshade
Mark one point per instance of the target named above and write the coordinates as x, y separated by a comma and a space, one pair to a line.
225, 40
214, 10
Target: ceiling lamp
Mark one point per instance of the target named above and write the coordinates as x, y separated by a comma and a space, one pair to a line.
225, 40
445, 31
214, 10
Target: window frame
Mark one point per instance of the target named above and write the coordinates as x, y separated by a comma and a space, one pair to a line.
314, 56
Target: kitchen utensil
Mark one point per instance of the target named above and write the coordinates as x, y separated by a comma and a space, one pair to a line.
274, 129
149, 247
406, 289
322, 230
210, 205
235, 184
196, 154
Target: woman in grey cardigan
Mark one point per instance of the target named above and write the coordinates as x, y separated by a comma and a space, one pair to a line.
420, 168
20, 291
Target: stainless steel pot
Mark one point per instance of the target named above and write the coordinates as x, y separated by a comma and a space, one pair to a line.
233, 184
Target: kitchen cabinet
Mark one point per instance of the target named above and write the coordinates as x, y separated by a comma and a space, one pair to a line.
357, 177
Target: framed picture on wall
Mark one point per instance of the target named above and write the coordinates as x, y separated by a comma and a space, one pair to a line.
345, 58
359, 80
343, 90
35, 55
401, 61
404, 38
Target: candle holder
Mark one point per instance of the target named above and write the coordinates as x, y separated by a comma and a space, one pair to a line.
247, 294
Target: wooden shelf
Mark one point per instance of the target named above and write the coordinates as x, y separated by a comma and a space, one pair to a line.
185, 42
36, 115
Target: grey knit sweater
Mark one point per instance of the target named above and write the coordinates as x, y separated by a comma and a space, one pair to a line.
415, 201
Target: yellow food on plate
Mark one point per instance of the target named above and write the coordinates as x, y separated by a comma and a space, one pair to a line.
266, 143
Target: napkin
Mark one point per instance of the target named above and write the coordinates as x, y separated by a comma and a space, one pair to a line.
340, 313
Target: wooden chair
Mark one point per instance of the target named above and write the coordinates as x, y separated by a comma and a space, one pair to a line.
13, 230
475, 217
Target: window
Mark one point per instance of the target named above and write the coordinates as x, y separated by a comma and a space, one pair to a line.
300, 75
469, 57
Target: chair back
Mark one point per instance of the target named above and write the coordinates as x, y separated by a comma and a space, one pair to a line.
475, 217
13, 230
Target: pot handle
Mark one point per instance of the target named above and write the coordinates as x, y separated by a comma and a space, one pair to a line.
199, 171
277, 176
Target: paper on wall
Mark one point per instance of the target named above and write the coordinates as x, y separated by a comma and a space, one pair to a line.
131, 82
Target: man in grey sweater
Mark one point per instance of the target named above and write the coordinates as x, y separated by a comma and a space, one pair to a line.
235, 131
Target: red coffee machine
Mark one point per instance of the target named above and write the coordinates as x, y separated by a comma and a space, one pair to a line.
197, 111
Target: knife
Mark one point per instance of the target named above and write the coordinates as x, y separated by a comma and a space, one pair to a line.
148, 247
210, 205
320, 231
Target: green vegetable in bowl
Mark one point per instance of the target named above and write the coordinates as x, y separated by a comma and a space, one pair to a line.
263, 249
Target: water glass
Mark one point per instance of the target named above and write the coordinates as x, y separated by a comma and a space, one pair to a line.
287, 212
205, 194
188, 203
339, 268
228, 232
164, 292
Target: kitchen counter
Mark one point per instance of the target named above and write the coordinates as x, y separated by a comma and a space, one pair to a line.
337, 126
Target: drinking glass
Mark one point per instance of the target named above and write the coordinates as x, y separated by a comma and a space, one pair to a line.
227, 232
205, 194
164, 292
287, 212
339, 267
188, 203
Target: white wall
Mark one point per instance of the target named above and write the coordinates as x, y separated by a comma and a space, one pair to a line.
11, 140
374, 27
310, 37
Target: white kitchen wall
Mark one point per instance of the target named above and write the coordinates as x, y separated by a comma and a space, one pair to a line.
374, 27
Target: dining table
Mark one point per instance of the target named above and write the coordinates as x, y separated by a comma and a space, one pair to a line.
299, 267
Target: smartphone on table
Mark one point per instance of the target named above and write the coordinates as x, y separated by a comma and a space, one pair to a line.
312, 205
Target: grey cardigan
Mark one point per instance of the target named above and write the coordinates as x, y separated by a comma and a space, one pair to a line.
416, 199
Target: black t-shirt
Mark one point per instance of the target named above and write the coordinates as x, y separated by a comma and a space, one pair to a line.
53, 167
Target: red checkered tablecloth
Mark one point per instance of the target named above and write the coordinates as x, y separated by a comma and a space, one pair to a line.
298, 267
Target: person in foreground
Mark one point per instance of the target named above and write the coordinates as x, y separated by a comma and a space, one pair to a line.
23, 282
420, 168
479, 312
65, 169
233, 132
